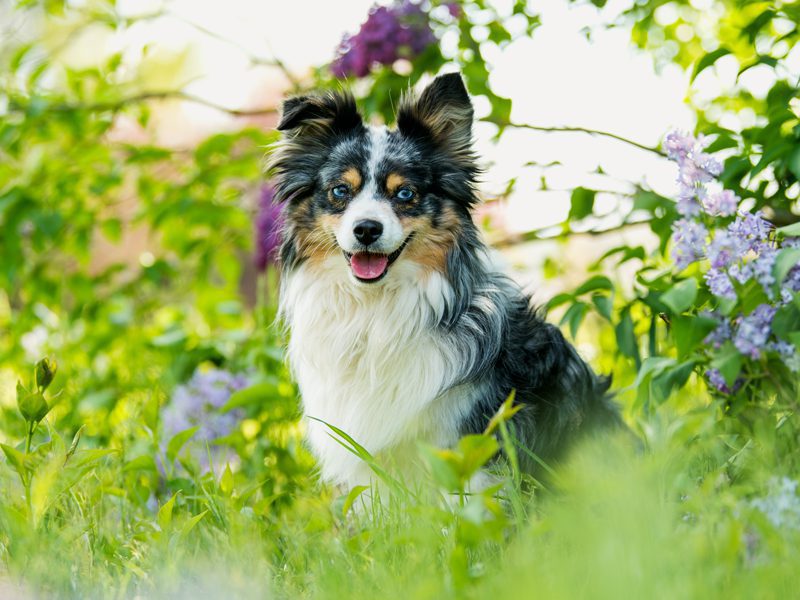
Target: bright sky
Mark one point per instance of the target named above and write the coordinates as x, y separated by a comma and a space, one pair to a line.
556, 78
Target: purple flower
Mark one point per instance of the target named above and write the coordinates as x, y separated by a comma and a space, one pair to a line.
268, 225
725, 249
716, 379
197, 403
688, 206
753, 331
689, 238
454, 8
751, 228
401, 30
721, 334
722, 203
679, 145
720, 284
695, 167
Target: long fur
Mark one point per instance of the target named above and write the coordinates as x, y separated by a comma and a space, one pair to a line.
431, 350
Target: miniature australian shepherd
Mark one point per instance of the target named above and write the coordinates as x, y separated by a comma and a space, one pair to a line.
400, 329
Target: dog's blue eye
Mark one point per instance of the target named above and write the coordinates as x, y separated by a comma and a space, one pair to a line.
340, 192
404, 194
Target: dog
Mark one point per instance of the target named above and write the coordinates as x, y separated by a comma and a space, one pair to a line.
400, 329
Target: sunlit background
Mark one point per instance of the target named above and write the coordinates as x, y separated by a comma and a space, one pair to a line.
573, 72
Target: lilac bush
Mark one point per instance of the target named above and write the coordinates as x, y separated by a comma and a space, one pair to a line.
739, 250
198, 403
268, 224
400, 30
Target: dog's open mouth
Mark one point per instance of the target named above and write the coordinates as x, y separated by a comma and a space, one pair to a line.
370, 267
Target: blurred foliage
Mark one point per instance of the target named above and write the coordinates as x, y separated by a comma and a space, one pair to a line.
128, 512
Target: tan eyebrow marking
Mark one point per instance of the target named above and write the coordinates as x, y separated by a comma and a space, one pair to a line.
394, 182
352, 177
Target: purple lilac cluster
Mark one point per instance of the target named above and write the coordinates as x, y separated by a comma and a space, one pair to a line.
197, 403
401, 30
268, 225
743, 251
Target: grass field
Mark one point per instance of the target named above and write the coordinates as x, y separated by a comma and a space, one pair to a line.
700, 513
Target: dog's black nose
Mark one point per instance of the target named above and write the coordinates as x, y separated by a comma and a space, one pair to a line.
368, 231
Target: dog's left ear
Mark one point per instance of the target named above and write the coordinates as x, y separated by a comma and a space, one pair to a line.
442, 112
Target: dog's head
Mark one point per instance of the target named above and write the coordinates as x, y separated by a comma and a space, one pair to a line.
372, 195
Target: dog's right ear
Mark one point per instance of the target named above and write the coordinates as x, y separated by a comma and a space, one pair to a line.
333, 113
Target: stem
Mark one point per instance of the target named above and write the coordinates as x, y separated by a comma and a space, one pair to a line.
146, 96
586, 130
537, 235
29, 437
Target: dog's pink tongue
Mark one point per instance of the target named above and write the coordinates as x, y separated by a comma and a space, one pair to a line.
368, 266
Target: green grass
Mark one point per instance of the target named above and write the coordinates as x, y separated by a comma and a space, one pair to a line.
674, 521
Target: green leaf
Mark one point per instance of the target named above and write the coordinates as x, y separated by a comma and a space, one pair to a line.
729, 363
708, 60
671, 379
793, 164
164, 516
558, 300
17, 459
626, 338
598, 282
574, 316
442, 469
581, 203
688, 332
226, 481
681, 296
45, 372
352, 496
786, 260
476, 451
191, 523
786, 321
604, 305
792, 230
145, 462
33, 407
178, 441
258, 394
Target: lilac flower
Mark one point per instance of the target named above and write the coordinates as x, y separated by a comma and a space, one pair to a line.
401, 30
689, 239
720, 284
268, 224
716, 379
725, 249
721, 334
754, 330
695, 168
761, 268
679, 145
197, 403
721, 203
688, 206
788, 353
751, 229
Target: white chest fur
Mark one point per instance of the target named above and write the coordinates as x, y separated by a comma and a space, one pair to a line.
368, 361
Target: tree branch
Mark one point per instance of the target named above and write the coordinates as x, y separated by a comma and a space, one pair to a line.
593, 132
536, 234
115, 105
